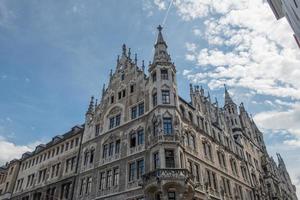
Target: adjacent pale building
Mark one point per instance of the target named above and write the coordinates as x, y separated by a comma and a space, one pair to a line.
143, 141
291, 10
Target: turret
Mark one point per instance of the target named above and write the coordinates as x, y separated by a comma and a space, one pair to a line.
90, 112
162, 74
232, 115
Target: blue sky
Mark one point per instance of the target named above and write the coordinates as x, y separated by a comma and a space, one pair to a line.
55, 54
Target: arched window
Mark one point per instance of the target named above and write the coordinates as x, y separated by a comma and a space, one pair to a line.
86, 157
92, 155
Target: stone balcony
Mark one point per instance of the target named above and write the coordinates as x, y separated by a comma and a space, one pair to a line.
162, 180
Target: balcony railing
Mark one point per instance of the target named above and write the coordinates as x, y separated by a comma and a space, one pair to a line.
167, 174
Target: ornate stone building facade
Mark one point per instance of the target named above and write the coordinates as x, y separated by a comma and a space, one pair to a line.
143, 141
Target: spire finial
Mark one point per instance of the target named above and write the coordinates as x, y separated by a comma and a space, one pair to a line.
124, 50
129, 52
159, 28
118, 59
103, 91
161, 53
91, 106
135, 58
143, 65
228, 99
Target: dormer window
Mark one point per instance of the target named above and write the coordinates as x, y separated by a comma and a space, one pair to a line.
164, 74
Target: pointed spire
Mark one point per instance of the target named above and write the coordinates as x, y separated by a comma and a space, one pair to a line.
111, 73
228, 99
135, 58
160, 38
91, 106
103, 91
161, 53
191, 88
129, 53
96, 104
124, 50
118, 59
143, 66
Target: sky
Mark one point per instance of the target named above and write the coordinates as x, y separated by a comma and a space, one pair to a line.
55, 54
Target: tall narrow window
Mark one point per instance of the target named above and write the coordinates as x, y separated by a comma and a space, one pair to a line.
131, 88
132, 140
102, 181
112, 99
167, 121
133, 112
140, 168
165, 96
131, 171
140, 137
108, 179
111, 149
154, 99
97, 130
111, 122
105, 150
92, 155
117, 147
141, 109
156, 164
164, 74
116, 176
170, 160
153, 76
118, 119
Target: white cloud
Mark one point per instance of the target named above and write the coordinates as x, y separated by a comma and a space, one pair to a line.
247, 46
161, 4
11, 151
281, 119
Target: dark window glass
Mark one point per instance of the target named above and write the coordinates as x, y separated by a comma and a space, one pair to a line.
120, 95
131, 88
140, 168
132, 140
154, 99
111, 149
124, 93
117, 149
167, 125
154, 77
112, 99
97, 130
116, 176
118, 120
131, 171
156, 160
133, 112
164, 74
105, 150
170, 161
140, 137
123, 77
165, 96
141, 109
171, 196
111, 122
